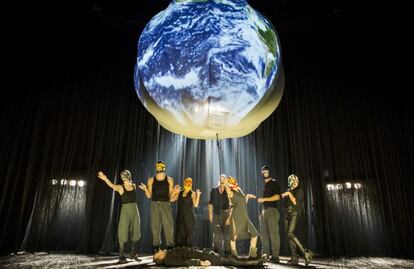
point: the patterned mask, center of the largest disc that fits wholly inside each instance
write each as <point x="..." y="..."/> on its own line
<point x="188" y="183"/>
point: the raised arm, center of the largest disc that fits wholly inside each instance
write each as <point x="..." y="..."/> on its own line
<point x="196" y="197"/>
<point x="147" y="189"/>
<point x="175" y="193"/>
<point x="171" y="185"/>
<point x="228" y="190"/>
<point x="115" y="187"/>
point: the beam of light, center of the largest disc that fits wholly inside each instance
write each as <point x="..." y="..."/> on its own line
<point x="81" y="183"/>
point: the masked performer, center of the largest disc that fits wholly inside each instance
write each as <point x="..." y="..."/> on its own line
<point x="240" y="224"/>
<point x="269" y="218"/>
<point x="159" y="189"/>
<point x="129" y="220"/>
<point x="219" y="217"/>
<point x="187" y="199"/>
<point x="294" y="200"/>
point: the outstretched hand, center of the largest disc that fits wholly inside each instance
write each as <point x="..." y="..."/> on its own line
<point x="198" y="192"/>
<point x="142" y="186"/>
<point x="177" y="188"/>
<point x="101" y="175"/>
<point x="250" y="196"/>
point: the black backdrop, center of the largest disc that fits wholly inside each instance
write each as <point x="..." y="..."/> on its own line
<point x="72" y="111"/>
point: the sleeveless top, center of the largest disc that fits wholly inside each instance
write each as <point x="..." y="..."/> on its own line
<point x="128" y="196"/>
<point x="160" y="190"/>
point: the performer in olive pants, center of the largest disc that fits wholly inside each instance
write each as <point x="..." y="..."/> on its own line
<point x="269" y="218"/>
<point x="129" y="224"/>
<point x="159" y="190"/>
<point x="129" y="220"/>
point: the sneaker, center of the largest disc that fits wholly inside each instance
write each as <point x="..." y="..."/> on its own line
<point x="308" y="256"/>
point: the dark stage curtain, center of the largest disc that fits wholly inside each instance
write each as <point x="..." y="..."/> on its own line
<point x="333" y="125"/>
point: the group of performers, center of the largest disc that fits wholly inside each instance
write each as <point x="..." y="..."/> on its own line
<point x="227" y="213"/>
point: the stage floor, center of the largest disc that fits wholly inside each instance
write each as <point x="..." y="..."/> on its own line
<point x="67" y="260"/>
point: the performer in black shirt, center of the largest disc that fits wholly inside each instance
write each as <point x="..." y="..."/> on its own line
<point x="219" y="217"/>
<point x="129" y="220"/>
<point x="269" y="217"/>
<point x="294" y="201"/>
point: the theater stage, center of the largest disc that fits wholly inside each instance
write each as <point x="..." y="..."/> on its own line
<point x="70" y="260"/>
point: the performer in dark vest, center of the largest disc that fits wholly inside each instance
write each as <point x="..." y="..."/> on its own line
<point x="129" y="220"/>
<point x="187" y="200"/>
<point x="159" y="189"/>
<point x="294" y="201"/>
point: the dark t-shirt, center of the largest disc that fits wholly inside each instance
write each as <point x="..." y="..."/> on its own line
<point x="271" y="188"/>
<point x="300" y="199"/>
<point x="220" y="201"/>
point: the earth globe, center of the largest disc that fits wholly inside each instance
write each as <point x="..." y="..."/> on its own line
<point x="209" y="68"/>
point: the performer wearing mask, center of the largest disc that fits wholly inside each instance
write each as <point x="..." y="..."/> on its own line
<point x="187" y="199"/>
<point x="240" y="224"/>
<point x="129" y="220"/>
<point x="219" y="217"/>
<point x="159" y="189"/>
<point x="294" y="201"/>
<point x="269" y="217"/>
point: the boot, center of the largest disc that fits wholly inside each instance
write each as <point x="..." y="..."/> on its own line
<point x="155" y="249"/>
<point x="122" y="258"/>
<point x="134" y="254"/>
<point x="274" y="259"/>
<point x="253" y="253"/>
<point x="308" y="256"/>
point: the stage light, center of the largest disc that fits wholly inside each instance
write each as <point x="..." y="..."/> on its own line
<point x="63" y="182"/>
<point x="339" y="186"/>
<point x="72" y="183"/>
<point x="54" y="182"/>
<point x="81" y="183"/>
<point x="330" y="187"/>
<point x="223" y="81"/>
<point x="348" y="185"/>
<point x="357" y="186"/>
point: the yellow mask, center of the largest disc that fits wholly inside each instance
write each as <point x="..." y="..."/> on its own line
<point x="233" y="183"/>
<point x="188" y="183"/>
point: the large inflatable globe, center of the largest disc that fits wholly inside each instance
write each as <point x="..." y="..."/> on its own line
<point x="208" y="68"/>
